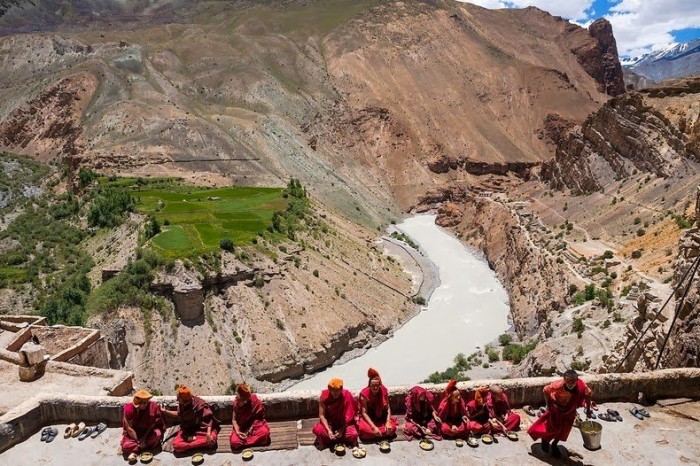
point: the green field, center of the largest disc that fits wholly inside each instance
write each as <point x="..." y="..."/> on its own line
<point x="199" y="218"/>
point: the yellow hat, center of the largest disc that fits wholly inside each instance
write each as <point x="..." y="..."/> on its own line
<point x="335" y="384"/>
<point x="141" y="396"/>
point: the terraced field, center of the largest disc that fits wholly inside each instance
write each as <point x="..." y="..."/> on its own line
<point x="194" y="220"/>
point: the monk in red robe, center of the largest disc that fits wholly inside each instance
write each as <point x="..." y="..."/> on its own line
<point x="249" y="426"/>
<point x="499" y="410"/>
<point x="336" y="413"/>
<point x="563" y="397"/>
<point x="198" y="426"/>
<point x="421" y="418"/>
<point x="453" y="413"/>
<point x="479" y="422"/>
<point x="375" y="421"/>
<point x="143" y="425"/>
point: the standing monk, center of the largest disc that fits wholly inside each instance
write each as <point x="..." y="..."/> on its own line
<point x="421" y="418"/>
<point x="143" y="425"/>
<point x="198" y="426"/>
<point x="453" y="413"/>
<point x="478" y="413"/>
<point x="563" y="397"/>
<point x="375" y="421"/>
<point x="499" y="409"/>
<point x="336" y="413"/>
<point x="249" y="426"/>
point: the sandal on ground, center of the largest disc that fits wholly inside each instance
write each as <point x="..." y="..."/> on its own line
<point x="530" y="411"/>
<point x="607" y="417"/>
<point x="68" y="433"/>
<point x="53" y="433"/>
<point x="85" y="433"/>
<point x="615" y="415"/>
<point x="635" y="412"/>
<point x="78" y="429"/>
<point x="643" y="412"/>
<point x="132" y="458"/>
<point x="45" y="433"/>
<point x="101" y="427"/>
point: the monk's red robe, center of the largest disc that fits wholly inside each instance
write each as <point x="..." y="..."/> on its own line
<point x="194" y="422"/>
<point x="250" y="417"/>
<point x="420" y="413"/>
<point x="451" y="416"/>
<point x="340" y="414"/>
<point x="377" y="410"/>
<point x="147" y="423"/>
<point x="556" y="422"/>
<point x="500" y="410"/>
<point x="478" y="418"/>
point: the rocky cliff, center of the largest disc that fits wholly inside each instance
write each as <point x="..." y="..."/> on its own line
<point x="639" y="131"/>
<point x="600" y="58"/>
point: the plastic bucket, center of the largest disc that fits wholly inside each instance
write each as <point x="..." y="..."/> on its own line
<point x="591" y="432"/>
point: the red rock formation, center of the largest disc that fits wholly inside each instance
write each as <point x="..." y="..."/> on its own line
<point x="599" y="58"/>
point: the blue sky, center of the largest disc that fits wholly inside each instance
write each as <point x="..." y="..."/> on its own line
<point x="639" y="26"/>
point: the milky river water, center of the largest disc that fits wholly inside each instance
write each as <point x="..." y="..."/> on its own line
<point x="468" y="309"/>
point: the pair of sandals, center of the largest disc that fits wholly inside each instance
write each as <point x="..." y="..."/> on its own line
<point x="639" y="413"/>
<point x="610" y="416"/>
<point x="82" y="432"/>
<point x="48" y="434"/>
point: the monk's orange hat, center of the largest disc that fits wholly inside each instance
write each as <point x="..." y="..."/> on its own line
<point x="335" y="384"/>
<point x="451" y="386"/>
<point x="184" y="393"/>
<point x="372" y="373"/>
<point x="480" y="395"/>
<point x="243" y="390"/>
<point x="141" y="396"/>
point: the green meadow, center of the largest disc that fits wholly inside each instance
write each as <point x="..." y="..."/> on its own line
<point x="193" y="220"/>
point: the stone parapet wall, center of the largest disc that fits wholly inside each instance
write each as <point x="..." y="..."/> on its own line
<point x="43" y="410"/>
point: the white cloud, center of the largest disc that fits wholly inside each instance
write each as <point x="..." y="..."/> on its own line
<point x="640" y="26"/>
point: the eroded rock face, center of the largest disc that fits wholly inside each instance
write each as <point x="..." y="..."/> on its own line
<point x="599" y="58"/>
<point x="630" y="132"/>
<point x="684" y="342"/>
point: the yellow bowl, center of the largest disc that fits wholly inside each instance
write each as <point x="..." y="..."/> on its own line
<point x="340" y="449"/>
<point x="487" y="439"/>
<point x="472" y="442"/>
<point x="197" y="459"/>
<point x="384" y="447"/>
<point x="426" y="445"/>
<point x="247" y="455"/>
<point x="146" y="457"/>
<point x="459" y="442"/>
<point x="512" y="435"/>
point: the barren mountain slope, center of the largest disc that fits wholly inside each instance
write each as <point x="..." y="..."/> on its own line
<point x="340" y="94"/>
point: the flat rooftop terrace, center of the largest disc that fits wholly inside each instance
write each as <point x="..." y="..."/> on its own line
<point x="668" y="437"/>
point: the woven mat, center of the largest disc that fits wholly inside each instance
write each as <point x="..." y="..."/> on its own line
<point x="306" y="437"/>
<point x="283" y="436"/>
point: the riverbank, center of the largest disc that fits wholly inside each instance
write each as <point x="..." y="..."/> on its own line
<point x="467" y="309"/>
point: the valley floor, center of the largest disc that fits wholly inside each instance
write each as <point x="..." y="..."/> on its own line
<point x="666" y="438"/>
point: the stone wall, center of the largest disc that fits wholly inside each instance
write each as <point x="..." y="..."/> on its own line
<point x="27" y="418"/>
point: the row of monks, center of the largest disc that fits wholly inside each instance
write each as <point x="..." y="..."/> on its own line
<point x="344" y="419"/>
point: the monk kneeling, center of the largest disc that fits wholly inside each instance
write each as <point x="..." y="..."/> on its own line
<point x="336" y="413"/>
<point x="478" y="414"/>
<point x="453" y="413"/>
<point x="499" y="410"/>
<point x="375" y="421"/>
<point x="143" y="425"/>
<point x="198" y="426"/>
<point x="249" y="426"/>
<point x="421" y="418"/>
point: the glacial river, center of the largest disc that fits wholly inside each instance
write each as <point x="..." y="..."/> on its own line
<point x="469" y="308"/>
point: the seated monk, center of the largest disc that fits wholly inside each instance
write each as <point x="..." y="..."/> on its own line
<point x="143" y="425"/>
<point x="249" y="426"/>
<point x="499" y="411"/>
<point x="336" y="413"/>
<point x="479" y="422"/>
<point x="198" y="426"/>
<point x="375" y="421"/>
<point x="453" y="413"/>
<point x="563" y="398"/>
<point x="421" y="418"/>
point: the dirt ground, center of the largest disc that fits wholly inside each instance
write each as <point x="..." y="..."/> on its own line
<point x="665" y="438"/>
